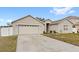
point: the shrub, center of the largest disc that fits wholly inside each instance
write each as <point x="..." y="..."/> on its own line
<point x="54" y="31"/>
<point x="44" y="32"/>
<point x="50" y="31"/>
<point x="73" y="32"/>
<point x="77" y="31"/>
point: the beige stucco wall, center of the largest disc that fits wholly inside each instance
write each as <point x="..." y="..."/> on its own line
<point x="60" y="27"/>
<point x="77" y="27"/>
<point x="54" y="27"/>
<point x="74" y="20"/>
<point x="27" y="21"/>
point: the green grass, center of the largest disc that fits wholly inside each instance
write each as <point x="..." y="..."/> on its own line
<point x="8" y="43"/>
<point x="71" y="38"/>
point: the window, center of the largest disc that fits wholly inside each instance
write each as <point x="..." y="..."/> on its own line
<point x="65" y="27"/>
<point x="73" y="26"/>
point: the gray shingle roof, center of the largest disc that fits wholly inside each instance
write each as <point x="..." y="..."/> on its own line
<point x="66" y="18"/>
<point x="26" y="17"/>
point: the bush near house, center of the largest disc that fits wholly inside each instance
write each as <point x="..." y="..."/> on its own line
<point x="72" y="38"/>
<point x="44" y="32"/>
<point x="54" y="31"/>
<point x="8" y="43"/>
<point x="50" y="31"/>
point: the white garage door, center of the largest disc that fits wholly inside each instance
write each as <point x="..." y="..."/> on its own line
<point x="29" y="29"/>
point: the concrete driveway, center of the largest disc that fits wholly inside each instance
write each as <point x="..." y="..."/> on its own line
<point x="40" y="43"/>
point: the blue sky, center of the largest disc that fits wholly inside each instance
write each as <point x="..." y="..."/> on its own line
<point x="8" y="14"/>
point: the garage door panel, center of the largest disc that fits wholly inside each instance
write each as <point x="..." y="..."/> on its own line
<point x="29" y="29"/>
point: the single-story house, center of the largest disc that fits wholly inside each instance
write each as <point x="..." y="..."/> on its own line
<point x="28" y="25"/>
<point x="31" y="25"/>
<point x="66" y="25"/>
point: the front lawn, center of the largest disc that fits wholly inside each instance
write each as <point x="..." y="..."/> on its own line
<point x="69" y="38"/>
<point x="8" y="43"/>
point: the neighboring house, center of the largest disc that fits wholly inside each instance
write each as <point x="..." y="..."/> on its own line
<point x="31" y="25"/>
<point x="66" y="25"/>
<point x="62" y="26"/>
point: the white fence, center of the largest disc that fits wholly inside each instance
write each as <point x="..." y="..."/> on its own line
<point x="6" y="31"/>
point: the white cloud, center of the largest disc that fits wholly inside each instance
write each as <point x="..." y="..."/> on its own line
<point x="9" y="20"/>
<point x="64" y="10"/>
<point x="1" y="20"/>
<point x="51" y="11"/>
<point x="72" y="11"/>
<point x="5" y="21"/>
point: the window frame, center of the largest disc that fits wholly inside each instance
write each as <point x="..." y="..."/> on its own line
<point x="65" y="27"/>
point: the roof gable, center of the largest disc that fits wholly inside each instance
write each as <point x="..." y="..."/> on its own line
<point x="59" y="21"/>
<point x="72" y="19"/>
<point x="26" y="17"/>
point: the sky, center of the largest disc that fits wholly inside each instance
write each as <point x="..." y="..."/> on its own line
<point x="9" y="14"/>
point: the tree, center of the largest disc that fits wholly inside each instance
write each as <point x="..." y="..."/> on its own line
<point x="8" y="23"/>
<point x="41" y="19"/>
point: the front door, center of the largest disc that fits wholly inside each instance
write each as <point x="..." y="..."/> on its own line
<point x="47" y="27"/>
